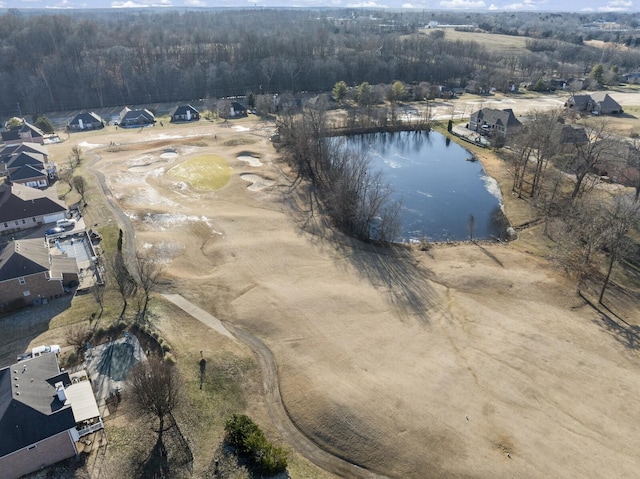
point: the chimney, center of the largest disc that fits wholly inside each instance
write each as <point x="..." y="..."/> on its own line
<point x="60" y="391"/>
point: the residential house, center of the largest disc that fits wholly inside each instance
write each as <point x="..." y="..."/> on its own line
<point x="136" y="118"/>
<point x="596" y="103"/>
<point x="492" y="122"/>
<point x="23" y="133"/>
<point x="43" y="414"/>
<point x="24" y="207"/>
<point x="30" y="169"/>
<point x="604" y="104"/>
<point x="185" y="113"/>
<point x="236" y="110"/>
<point x="29" y="273"/>
<point x="85" y="121"/>
<point x="10" y="151"/>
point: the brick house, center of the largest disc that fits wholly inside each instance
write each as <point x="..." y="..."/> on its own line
<point x="29" y="273"/>
<point x="10" y="152"/>
<point x="23" y="133"/>
<point x="23" y="207"/>
<point x="492" y="122"/>
<point x="43" y="413"/>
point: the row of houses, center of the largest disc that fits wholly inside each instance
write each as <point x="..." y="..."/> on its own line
<point x="131" y="118"/>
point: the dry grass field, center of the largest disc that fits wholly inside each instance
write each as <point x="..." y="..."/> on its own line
<point x="503" y="44"/>
<point x="464" y="361"/>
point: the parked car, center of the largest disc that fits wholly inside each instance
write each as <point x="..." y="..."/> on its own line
<point x="65" y="223"/>
<point x="54" y="231"/>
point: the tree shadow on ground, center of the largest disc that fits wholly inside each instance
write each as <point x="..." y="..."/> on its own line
<point x="618" y="303"/>
<point x="170" y="457"/>
<point x="393" y="267"/>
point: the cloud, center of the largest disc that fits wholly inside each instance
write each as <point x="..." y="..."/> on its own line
<point x="617" y="6"/>
<point x="196" y="3"/>
<point x="459" y="4"/>
<point x="141" y="4"/>
<point x="368" y="4"/>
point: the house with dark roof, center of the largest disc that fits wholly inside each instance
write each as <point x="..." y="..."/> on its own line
<point x="85" y="121"/>
<point x="492" y="122"/>
<point x="43" y="414"/>
<point x="237" y="109"/>
<point x="185" y="113"/>
<point x="23" y="133"/>
<point x="24" y="207"/>
<point x="10" y="151"/>
<point x="29" y="273"/>
<point x="599" y="103"/>
<point x="136" y="118"/>
<point x="34" y="176"/>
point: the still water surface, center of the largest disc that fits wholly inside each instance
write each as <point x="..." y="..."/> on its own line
<point x="439" y="189"/>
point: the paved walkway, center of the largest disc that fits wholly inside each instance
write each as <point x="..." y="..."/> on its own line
<point x="200" y="314"/>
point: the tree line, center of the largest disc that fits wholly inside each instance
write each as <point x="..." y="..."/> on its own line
<point x="95" y="59"/>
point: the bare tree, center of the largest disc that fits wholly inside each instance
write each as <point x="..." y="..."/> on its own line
<point x="76" y="156"/>
<point x="125" y="283"/>
<point x="593" y="154"/>
<point x="80" y="186"/>
<point x="98" y="290"/>
<point x="155" y="388"/>
<point x="66" y="175"/>
<point x="78" y="335"/>
<point x="147" y="270"/>
<point x="630" y="171"/>
<point x="622" y="215"/>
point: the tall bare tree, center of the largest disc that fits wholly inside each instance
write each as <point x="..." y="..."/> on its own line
<point x="155" y="388"/>
<point x="147" y="270"/>
<point x="623" y="214"/>
<point x="80" y="185"/>
<point x="593" y="154"/>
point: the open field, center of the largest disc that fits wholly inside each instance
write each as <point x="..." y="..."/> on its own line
<point x="466" y="361"/>
<point x="503" y="44"/>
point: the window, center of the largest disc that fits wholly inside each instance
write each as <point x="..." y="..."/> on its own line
<point x="6" y="225"/>
<point x="34" y="220"/>
<point x="21" y="280"/>
<point x="32" y="446"/>
<point x="24" y="222"/>
<point x="17" y="223"/>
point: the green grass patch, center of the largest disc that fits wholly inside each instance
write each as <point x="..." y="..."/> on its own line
<point x="210" y="172"/>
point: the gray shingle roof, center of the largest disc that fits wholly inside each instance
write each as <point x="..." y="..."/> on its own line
<point x="19" y="201"/>
<point x="30" y="410"/>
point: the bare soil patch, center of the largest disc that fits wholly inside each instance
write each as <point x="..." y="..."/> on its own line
<point x="411" y="364"/>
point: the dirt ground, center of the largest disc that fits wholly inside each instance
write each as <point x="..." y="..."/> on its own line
<point x="463" y="361"/>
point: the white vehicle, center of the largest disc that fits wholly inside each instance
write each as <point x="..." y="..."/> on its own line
<point x="39" y="351"/>
<point x="65" y="223"/>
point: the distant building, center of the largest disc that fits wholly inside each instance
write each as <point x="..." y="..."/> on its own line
<point x="599" y="103"/>
<point x="23" y="133"/>
<point x="136" y="118"/>
<point x="492" y="122"/>
<point x="86" y="121"/>
<point x="185" y="113"/>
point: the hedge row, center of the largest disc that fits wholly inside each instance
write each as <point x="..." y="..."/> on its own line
<point x="250" y="441"/>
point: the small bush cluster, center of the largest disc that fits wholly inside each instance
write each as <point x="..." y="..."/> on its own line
<point x="250" y="441"/>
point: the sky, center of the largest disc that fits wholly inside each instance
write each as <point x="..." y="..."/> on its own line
<point x="476" y="5"/>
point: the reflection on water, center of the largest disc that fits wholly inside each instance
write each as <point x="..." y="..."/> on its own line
<point x="438" y="188"/>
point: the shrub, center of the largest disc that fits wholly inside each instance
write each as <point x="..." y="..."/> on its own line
<point x="249" y="440"/>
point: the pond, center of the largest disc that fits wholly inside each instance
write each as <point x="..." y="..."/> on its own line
<point x="437" y="184"/>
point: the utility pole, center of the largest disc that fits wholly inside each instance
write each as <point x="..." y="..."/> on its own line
<point x="19" y="111"/>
